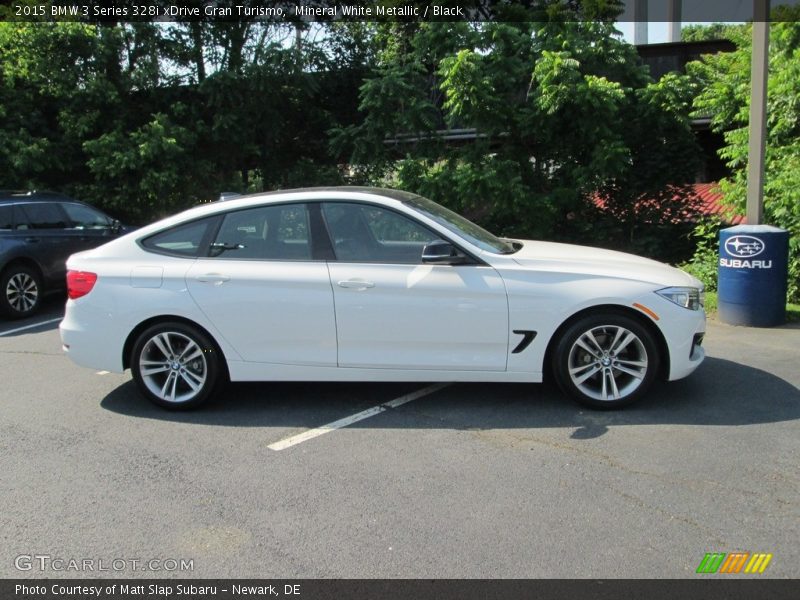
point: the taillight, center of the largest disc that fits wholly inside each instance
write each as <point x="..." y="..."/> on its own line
<point x="80" y="283"/>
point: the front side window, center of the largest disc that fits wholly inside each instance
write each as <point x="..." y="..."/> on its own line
<point x="85" y="217"/>
<point x="276" y="232"/>
<point x="367" y="233"/>
<point x="181" y="240"/>
<point x="462" y="227"/>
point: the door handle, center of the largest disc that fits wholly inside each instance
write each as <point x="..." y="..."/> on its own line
<point x="357" y="284"/>
<point x="31" y="240"/>
<point x="215" y="278"/>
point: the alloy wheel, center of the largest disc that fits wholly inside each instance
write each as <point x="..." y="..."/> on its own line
<point x="22" y="292"/>
<point x="607" y="363"/>
<point x="173" y="367"/>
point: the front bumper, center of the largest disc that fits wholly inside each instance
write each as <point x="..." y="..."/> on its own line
<point x="684" y="338"/>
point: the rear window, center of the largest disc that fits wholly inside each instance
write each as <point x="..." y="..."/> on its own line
<point x="182" y="240"/>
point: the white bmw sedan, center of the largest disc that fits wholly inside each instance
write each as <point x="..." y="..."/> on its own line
<point x="365" y="284"/>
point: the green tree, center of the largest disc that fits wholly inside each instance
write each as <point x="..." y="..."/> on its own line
<point x="725" y="83"/>
<point x="563" y="112"/>
<point x="702" y="33"/>
<point x="146" y="119"/>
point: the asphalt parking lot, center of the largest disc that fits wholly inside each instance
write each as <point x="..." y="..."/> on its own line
<point x="469" y="480"/>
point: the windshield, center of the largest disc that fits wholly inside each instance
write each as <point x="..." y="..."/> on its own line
<point x="462" y="227"/>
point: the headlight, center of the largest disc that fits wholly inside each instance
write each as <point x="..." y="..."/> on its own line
<point x="687" y="297"/>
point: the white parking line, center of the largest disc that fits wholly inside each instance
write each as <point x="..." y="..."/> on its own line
<point x="10" y="331"/>
<point x="364" y="414"/>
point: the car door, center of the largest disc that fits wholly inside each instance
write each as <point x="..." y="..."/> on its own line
<point x="394" y="312"/>
<point x="88" y="227"/>
<point x="262" y="289"/>
<point x="41" y="227"/>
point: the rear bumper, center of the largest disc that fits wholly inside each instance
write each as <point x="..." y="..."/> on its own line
<point x="90" y="346"/>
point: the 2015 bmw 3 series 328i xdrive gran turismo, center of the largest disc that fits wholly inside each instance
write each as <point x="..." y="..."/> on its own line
<point x="365" y="284"/>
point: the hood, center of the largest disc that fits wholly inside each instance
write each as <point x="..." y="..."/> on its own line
<point x="568" y="258"/>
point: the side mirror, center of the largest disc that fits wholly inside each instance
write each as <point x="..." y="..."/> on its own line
<point x="440" y="252"/>
<point x="116" y="226"/>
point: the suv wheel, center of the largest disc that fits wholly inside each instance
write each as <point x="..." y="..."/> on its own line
<point x="21" y="292"/>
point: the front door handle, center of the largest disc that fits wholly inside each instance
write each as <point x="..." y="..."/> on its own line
<point x="356" y="284"/>
<point x="32" y="240"/>
<point x="215" y="278"/>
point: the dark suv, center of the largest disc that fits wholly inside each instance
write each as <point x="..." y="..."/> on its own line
<point x="38" y="232"/>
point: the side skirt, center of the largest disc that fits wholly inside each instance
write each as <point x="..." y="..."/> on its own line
<point x="248" y="371"/>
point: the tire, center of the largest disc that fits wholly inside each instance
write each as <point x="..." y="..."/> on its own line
<point x="20" y="292"/>
<point x="606" y="360"/>
<point x="176" y="366"/>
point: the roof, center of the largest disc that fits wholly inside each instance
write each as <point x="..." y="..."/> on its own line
<point x="26" y="196"/>
<point x="712" y="203"/>
<point x="399" y="195"/>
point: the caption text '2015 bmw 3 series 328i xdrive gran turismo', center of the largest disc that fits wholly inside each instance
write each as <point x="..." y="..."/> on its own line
<point x="365" y="284"/>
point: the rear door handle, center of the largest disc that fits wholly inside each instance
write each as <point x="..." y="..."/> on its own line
<point x="215" y="278"/>
<point x="32" y="240"/>
<point x="357" y="284"/>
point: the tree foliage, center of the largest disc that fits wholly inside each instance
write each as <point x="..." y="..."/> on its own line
<point x="562" y="111"/>
<point x="550" y="115"/>
<point x="725" y="83"/>
<point x="144" y="119"/>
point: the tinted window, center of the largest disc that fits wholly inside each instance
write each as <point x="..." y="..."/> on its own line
<point x="85" y="217"/>
<point x="278" y="232"/>
<point x="182" y="240"/>
<point x="6" y="216"/>
<point x="44" y="215"/>
<point x="366" y="233"/>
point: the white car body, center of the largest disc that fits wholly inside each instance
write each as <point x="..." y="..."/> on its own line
<point x="333" y="320"/>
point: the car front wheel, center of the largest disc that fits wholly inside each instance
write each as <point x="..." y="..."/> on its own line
<point x="606" y="360"/>
<point x="22" y="292"/>
<point x="175" y="365"/>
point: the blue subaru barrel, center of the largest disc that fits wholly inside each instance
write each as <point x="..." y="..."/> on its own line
<point x="753" y="271"/>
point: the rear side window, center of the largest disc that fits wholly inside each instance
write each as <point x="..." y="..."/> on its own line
<point x="6" y="216"/>
<point x="181" y="240"/>
<point x="277" y="232"/>
<point x="44" y="215"/>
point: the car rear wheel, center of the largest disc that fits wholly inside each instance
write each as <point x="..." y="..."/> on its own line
<point x="21" y="292"/>
<point x="606" y="360"/>
<point x="175" y="365"/>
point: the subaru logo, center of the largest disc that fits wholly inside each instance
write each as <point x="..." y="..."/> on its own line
<point x="744" y="246"/>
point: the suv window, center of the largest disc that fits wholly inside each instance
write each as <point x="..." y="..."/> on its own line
<point x="277" y="232"/>
<point x="181" y="240"/>
<point x="6" y="216"/>
<point x="43" y="215"/>
<point x="366" y="233"/>
<point x="84" y="217"/>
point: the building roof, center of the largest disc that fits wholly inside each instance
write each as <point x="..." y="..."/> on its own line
<point x="696" y="199"/>
<point x="711" y="203"/>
